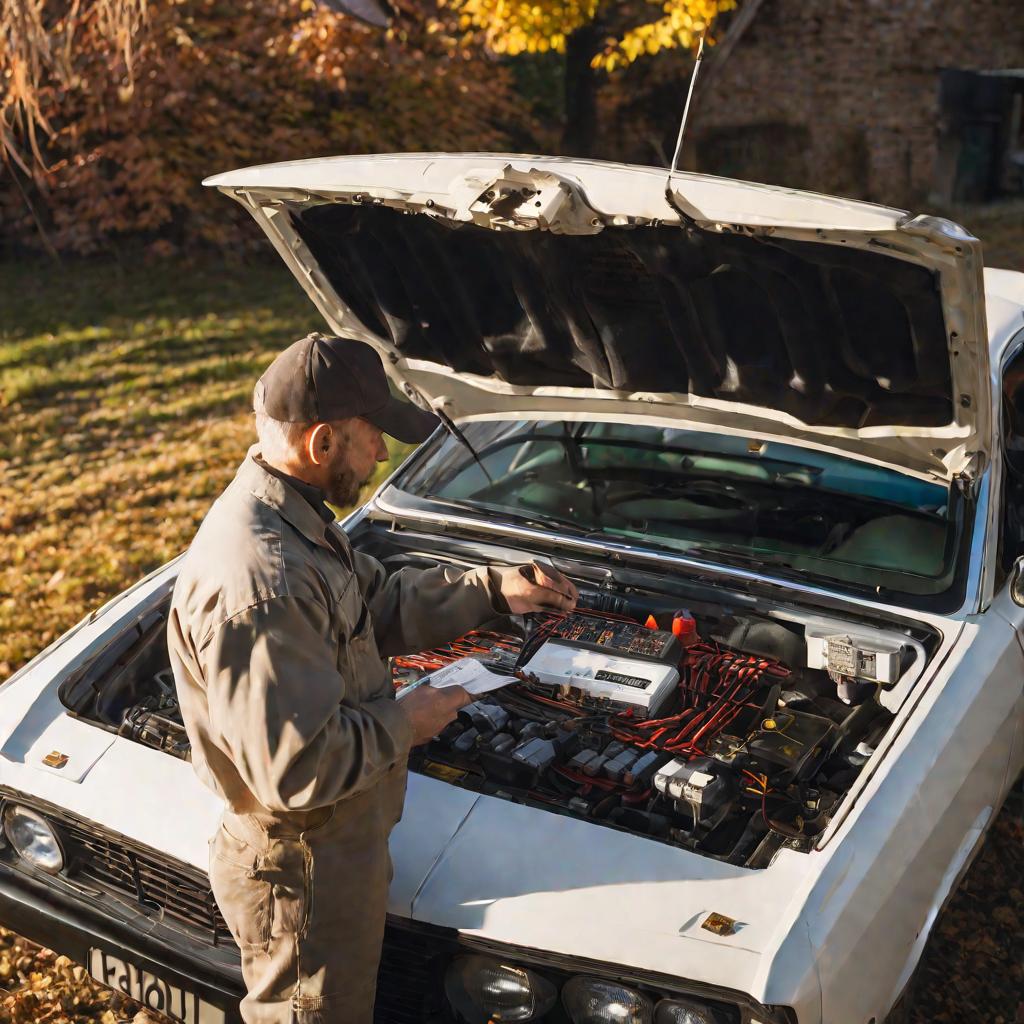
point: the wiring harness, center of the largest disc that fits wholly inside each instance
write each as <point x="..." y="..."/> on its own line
<point x="716" y="687"/>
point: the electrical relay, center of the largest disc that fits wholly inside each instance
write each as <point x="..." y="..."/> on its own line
<point x="618" y="637"/>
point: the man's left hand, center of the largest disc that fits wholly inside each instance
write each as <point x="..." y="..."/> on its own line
<point x="536" y="588"/>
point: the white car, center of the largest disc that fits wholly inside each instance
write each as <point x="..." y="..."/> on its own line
<point x="773" y="437"/>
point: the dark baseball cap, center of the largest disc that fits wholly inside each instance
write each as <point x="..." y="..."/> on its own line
<point x="319" y="378"/>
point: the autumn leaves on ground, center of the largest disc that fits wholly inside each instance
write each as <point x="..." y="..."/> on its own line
<point x="123" y="413"/>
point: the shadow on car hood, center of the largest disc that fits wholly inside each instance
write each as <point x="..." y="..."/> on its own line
<point x="500" y="286"/>
<point x="514" y="874"/>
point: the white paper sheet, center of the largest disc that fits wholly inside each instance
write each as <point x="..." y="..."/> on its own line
<point x="468" y="673"/>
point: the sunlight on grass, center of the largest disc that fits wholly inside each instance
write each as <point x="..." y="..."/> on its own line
<point x="124" y="411"/>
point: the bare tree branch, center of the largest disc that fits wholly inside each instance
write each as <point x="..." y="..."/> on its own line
<point x="37" y="50"/>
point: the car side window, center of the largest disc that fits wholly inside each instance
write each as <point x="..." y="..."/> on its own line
<point x="1011" y="539"/>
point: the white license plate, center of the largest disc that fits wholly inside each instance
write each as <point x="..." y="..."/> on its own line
<point x="152" y="991"/>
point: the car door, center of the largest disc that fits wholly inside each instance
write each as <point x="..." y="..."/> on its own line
<point x="1009" y="554"/>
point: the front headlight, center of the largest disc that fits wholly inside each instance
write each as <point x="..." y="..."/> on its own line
<point x="593" y="1001"/>
<point x="33" y="837"/>
<point x="483" y="990"/>
<point x="682" y="1011"/>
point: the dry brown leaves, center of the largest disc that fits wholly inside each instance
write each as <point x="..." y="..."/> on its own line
<point x="973" y="967"/>
<point x="40" y="987"/>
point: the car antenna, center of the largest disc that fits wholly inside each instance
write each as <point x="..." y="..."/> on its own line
<point x="682" y="124"/>
<point x="449" y="425"/>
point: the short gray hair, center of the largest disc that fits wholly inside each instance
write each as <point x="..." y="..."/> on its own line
<point x="280" y="441"/>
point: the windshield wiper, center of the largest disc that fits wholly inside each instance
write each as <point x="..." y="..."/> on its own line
<point x="541" y="521"/>
<point x="781" y="566"/>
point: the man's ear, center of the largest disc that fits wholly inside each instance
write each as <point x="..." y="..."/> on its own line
<point x="318" y="443"/>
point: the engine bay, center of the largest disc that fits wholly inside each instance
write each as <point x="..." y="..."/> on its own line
<point x="726" y="727"/>
<point x="713" y="734"/>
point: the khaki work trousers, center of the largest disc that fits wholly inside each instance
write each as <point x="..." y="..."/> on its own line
<point x="307" y="905"/>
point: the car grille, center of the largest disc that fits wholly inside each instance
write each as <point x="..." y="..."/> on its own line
<point x="410" y="979"/>
<point x="140" y="876"/>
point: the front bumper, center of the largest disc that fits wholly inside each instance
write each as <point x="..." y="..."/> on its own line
<point x="70" y="925"/>
<point x="48" y="911"/>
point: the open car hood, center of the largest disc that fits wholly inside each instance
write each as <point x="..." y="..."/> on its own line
<point x="501" y="287"/>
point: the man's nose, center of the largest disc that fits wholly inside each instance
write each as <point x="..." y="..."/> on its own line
<point x="382" y="450"/>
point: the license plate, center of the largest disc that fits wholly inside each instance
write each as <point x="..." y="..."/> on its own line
<point x="151" y="991"/>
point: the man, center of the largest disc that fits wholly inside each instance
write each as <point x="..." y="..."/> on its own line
<point x="279" y="634"/>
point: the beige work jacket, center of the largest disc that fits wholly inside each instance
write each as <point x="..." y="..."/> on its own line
<point x="279" y="640"/>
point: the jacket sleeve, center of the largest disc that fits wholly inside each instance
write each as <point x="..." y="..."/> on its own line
<point x="275" y="693"/>
<point x="416" y="609"/>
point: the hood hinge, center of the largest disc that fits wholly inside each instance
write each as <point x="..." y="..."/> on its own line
<point x="969" y="478"/>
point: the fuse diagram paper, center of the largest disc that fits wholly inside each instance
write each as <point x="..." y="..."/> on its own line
<point x="471" y="675"/>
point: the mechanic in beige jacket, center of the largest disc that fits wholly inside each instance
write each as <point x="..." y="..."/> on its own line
<point x="279" y="634"/>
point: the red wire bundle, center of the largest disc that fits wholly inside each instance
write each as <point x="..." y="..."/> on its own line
<point x="716" y="686"/>
<point x="476" y="642"/>
<point x="481" y="641"/>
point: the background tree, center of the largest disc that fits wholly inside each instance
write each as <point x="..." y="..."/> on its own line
<point x="109" y="135"/>
<point x="112" y="111"/>
<point x="38" y="47"/>
<point x="593" y="35"/>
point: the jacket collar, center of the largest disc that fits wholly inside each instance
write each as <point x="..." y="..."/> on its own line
<point x="283" y="498"/>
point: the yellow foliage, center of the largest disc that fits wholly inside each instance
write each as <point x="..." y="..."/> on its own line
<point x="521" y="27"/>
<point x="513" y="27"/>
<point x="681" y="25"/>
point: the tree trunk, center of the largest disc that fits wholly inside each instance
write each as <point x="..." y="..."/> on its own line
<point x="581" y="83"/>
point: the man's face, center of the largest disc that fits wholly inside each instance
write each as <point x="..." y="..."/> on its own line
<point x="356" y="446"/>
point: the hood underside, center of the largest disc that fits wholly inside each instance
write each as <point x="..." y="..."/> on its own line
<point x="503" y="287"/>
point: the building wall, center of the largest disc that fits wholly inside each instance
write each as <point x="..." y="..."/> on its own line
<point x="842" y="96"/>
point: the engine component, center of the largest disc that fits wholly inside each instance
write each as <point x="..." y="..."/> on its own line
<point x="616" y="767"/>
<point x="157" y="724"/>
<point x="717" y="691"/>
<point x="583" y="759"/>
<point x="466" y="741"/>
<point x="684" y="626"/>
<point x="537" y="753"/>
<point x="601" y="601"/>
<point x="643" y="768"/>
<point x="647" y="823"/>
<point x="619" y="637"/>
<point x="527" y="730"/>
<point x="503" y="742"/>
<point x="703" y="788"/>
<point x="791" y="741"/>
<point x="596" y="679"/>
<point x="486" y="718"/>
<point x="726" y="751"/>
<point x="846" y="655"/>
<point x="451" y="732"/>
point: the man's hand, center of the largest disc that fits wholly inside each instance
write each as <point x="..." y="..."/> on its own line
<point x="430" y="710"/>
<point x="536" y="588"/>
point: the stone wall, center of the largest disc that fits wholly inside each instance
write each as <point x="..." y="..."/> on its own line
<point x="843" y="96"/>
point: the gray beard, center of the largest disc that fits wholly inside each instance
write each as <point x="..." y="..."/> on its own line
<point x="344" y="488"/>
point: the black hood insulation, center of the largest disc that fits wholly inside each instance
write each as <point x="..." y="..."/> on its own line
<point x="833" y="336"/>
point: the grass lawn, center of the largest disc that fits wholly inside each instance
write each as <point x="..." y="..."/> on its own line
<point x="124" y="410"/>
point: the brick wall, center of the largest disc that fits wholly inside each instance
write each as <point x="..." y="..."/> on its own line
<point x="842" y="96"/>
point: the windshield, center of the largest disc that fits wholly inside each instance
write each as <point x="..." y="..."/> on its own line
<point x="722" y="499"/>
